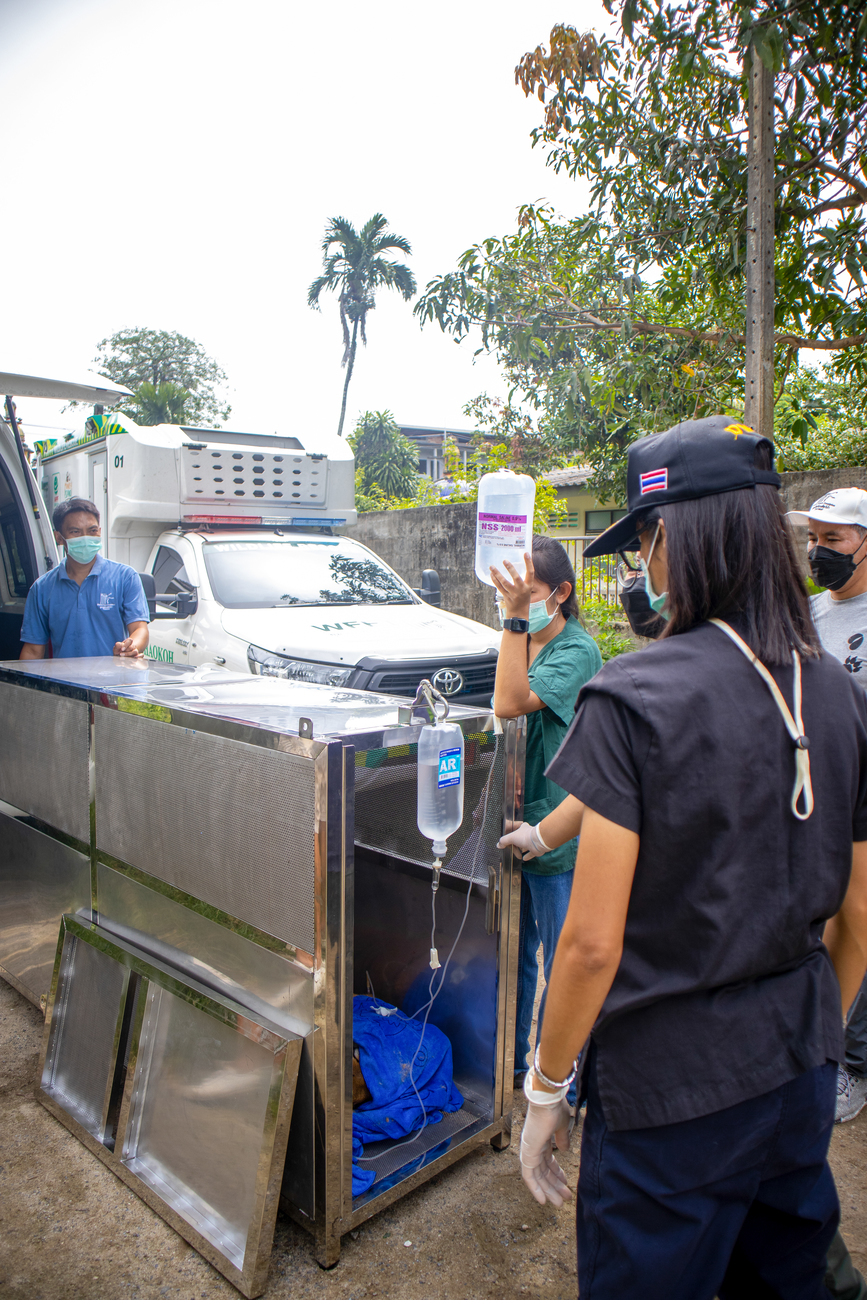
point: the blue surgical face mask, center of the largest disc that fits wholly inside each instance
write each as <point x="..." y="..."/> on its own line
<point x="539" y="616"/>
<point x="657" y="603"/>
<point x="83" y="549"/>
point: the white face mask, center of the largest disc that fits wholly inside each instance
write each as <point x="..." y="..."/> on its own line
<point x="657" y="603"/>
<point x="539" y="616"/>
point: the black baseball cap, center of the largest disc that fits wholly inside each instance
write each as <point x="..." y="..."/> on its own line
<point x="697" y="458"/>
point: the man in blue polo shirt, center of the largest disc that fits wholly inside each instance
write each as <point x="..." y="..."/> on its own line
<point x="88" y="605"/>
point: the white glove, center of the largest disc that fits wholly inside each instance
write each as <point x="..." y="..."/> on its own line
<point x="527" y="840"/>
<point x="539" y="1170"/>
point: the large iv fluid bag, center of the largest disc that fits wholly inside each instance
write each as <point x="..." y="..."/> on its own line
<point x="440" y="782"/>
<point x="504" y="523"/>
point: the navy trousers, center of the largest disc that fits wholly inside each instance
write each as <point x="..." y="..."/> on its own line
<point x="739" y="1204"/>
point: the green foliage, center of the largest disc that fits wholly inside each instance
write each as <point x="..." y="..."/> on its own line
<point x="489" y="456"/>
<point x="655" y="119"/>
<point x="353" y="267"/>
<point x="170" y="374"/>
<point x="605" y="623"/>
<point x="631" y="317"/>
<point x="383" y="456"/>
<point x="376" y="499"/>
<point x="820" y="423"/>
<point x="164" y="403"/>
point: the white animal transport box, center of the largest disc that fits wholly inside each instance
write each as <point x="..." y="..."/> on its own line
<point x="146" y="479"/>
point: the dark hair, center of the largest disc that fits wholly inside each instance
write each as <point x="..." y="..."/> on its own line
<point x="69" y="507"/>
<point x="553" y="566"/>
<point x="733" y="554"/>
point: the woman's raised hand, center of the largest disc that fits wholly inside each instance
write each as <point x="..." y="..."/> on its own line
<point x="515" y="593"/>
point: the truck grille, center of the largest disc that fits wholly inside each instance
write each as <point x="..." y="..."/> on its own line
<point x="403" y="679"/>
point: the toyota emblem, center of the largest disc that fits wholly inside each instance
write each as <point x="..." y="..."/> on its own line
<point x="448" y="680"/>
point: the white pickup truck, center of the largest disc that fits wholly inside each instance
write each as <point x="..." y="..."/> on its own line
<point x="234" y="535"/>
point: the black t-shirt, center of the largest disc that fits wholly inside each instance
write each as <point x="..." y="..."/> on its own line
<point x="724" y="990"/>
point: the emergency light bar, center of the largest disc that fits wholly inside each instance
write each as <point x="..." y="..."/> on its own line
<point x="221" y="519"/>
<point x="277" y="521"/>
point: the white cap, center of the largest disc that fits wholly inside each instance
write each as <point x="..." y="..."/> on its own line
<point x="842" y="506"/>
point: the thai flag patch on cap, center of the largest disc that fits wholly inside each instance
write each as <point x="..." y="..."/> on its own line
<point x="655" y="480"/>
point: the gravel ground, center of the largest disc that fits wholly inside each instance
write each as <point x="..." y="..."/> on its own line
<point x="70" y="1229"/>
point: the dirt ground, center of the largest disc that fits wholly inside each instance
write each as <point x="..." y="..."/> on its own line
<point x="69" y="1229"/>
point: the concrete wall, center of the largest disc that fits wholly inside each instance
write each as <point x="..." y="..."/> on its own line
<point x="444" y="538"/>
<point x="802" y="489"/>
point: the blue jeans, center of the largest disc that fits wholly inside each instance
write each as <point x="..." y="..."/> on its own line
<point x="739" y="1204"/>
<point x="544" y="903"/>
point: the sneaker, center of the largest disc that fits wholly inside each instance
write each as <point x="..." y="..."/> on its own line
<point x="851" y="1095"/>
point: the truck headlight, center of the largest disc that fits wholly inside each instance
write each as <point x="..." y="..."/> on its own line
<point x="264" y="664"/>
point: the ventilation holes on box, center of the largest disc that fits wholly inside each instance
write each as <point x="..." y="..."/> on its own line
<point x="199" y="491"/>
<point x="296" y="494"/>
<point x="239" y="492"/>
<point x="197" y="478"/>
<point x="278" y="482"/>
<point x="258" y="456"/>
<point x="237" y="480"/>
<point x="218" y="480"/>
<point x="276" y="458"/>
<point x="216" y="454"/>
<point x="298" y="460"/>
<point x="258" y="493"/>
<point x="237" y="455"/>
<point x="257" y="482"/>
<point x="277" y="494"/>
<point x="220" y="492"/>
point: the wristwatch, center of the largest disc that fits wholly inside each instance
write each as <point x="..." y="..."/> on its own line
<point x="516" y="624"/>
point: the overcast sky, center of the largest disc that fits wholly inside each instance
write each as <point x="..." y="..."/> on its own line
<point x="173" y="163"/>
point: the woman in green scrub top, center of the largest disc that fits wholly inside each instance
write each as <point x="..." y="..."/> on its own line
<point x="545" y="658"/>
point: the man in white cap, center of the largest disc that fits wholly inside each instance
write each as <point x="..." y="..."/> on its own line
<point x="837" y="550"/>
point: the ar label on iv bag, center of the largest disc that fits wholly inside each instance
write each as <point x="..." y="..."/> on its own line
<point x="449" y="772"/>
<point x="501" y="530"/>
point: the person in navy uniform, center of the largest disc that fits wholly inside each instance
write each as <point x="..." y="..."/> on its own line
<point x="718" y="921"/>
<point x="87" y="605"/>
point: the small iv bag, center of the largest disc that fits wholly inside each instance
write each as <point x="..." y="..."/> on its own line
<point x="504" y="522"/>
<point x="440" y="782"/>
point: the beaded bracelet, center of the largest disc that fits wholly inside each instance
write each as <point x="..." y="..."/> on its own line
<point x="549" y="1083"/>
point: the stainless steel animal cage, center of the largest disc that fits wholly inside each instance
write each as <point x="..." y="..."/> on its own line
<point x="228" y="860"/>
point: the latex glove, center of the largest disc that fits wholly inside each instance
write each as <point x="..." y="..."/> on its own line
<point x="527" y="840"/>
<point x="539" y="1169"/>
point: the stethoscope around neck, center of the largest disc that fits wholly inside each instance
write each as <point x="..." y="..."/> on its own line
<point x="794" y="725"/>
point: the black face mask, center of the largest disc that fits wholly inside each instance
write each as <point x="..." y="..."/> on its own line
<point x="643" y="620"/>
<point x="831" y="569"/>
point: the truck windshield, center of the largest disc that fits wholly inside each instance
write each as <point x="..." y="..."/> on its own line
<point x="257" y="575"/>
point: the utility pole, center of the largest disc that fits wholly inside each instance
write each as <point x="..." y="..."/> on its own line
<point x="759" y="395"/>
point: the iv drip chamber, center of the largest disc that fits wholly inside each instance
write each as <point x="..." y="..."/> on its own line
<point x="440" y="782"/>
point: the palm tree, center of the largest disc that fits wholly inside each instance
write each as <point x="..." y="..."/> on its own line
<point x="353" y="266"/>
<point x="163" y="403"/>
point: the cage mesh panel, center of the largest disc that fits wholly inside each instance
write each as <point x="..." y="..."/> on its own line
<point x="85" y="1023"/>
<point x="386" y="1158"/>
<point x="386" y="805"/>
<point x="43" y="758"/>
<point x="275" y="477"/>
<point x="228" y="823"/>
